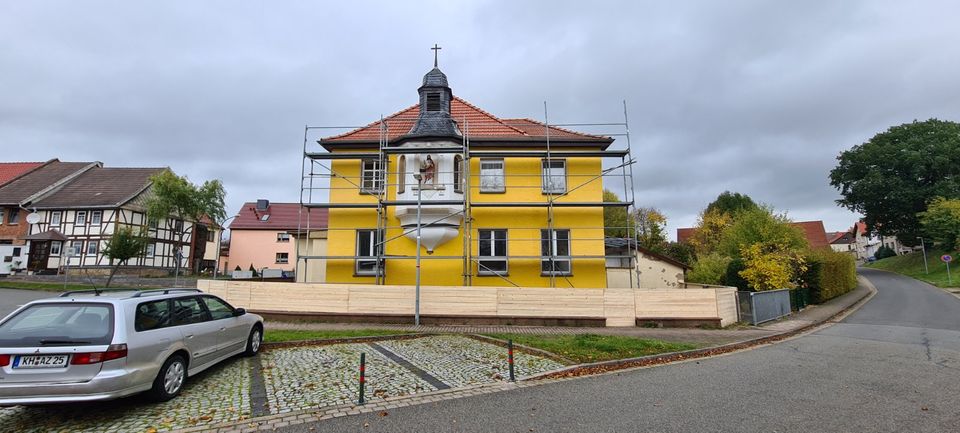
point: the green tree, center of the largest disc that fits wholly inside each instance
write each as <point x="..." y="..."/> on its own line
<point x="681" y="252"/>
<point x="173" y="196"/>
<point x="616" y="223"/>
<point x="760" y="226"/>
<point x="891" y="177"/>
<point x="731" y="203"/>
<point x="709" y="269"/>
<point x="124" y="245"/>
<point x="651" y="228"/>
<point x="941" y="222"/>
<point x="710" y="227"/>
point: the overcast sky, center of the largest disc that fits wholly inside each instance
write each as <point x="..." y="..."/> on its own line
<point x="757" y="97"/>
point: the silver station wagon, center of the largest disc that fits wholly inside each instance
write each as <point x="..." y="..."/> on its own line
<point x="100" y="345"/>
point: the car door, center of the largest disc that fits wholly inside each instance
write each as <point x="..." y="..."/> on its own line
<point x="232" y="329"/>
<point x="199" y="333"/>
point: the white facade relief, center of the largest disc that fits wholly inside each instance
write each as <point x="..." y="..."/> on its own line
<point x="441" y="179"/>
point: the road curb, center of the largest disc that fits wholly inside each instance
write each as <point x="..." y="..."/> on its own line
<point x="273" y="422"/>
<point x="595" y="368"/>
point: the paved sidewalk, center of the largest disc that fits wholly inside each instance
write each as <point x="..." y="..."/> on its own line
<point x="700" y="337"/>
<point x="810" y="316"/>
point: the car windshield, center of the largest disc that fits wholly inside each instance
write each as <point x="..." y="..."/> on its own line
<point x="66" y="324"/>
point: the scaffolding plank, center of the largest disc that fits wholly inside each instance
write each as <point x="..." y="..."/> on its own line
<point x="544" y="154"/>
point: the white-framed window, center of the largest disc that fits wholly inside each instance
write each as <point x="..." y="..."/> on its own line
<point x="152" y="225"/>
<point x="371" y="176"/>
<point x="178" y="226"/>
<point x="55" y="218"/>
<point x="368" y="246"/>
<point x="14" y="216"/>
<point x="555" y="252"/>
<point x="151" y="250"/>
<point x="401" y="174"/>
<point x="55" y="247"/>
<point x="76" y="247"/>
<point x="619" y="260"/>
<point x="92" y="247"/>
<point x="81" y="218"/>
<point x="554" y="176"/>
<point x="1" y="216"/>
<point x="283" y="258"/>
<point x="96" y="216"/>
<point x="457" y="173"/>
<point x="491" y="175"/>
<point x="283" y="237"/>
<point x="493" y="252"/>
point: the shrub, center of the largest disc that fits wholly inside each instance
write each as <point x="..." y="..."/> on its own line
<point x="733" y="278"/>
<point x="884" y="252"/>
<point x="709" y="269"/>
<point x="829" y="274"/>
<point x="238" y="268"/>
<point x="771" y="266"/>
<point x="254" y="270"/>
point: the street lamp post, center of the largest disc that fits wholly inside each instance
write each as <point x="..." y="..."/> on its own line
<point x="216" y="265"/>
<point x="924" y="250"/>
<point x="416" y="311"/>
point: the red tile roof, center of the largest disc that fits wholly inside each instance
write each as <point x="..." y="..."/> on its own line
<point x="479" y="124"/>
<point x="282" y="216"/>
<point x="813" y="231"/>
<point x="11" y="170"/>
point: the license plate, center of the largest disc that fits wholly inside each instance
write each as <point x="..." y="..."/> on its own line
<point x="41" y="361"/>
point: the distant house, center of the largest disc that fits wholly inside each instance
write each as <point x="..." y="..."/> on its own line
<point x="843" y="242"/>
<point x="867" y="244"/>
<point x="20" y="187"/>
<point x="268" y="235"/>
<point x="647" y="270"/>
<point x="75" y="207"/>
<point x="813" y="231"/>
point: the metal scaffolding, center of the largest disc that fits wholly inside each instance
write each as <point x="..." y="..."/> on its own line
<point x="317" y="176"/>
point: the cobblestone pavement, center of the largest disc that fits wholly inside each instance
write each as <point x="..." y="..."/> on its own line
<point x="218" y="395"/>
<point x="305" y="377"/>
<point x="461" y="361"/>
<point x="295" y="379"/>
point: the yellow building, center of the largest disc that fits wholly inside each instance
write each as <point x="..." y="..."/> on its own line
<point x="502" y="202"/>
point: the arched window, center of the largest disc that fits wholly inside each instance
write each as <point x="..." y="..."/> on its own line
<point x="401" y="174"/>
<point x="458" y="173"/>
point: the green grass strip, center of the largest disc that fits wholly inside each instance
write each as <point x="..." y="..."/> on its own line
<point x="583" y="348"/>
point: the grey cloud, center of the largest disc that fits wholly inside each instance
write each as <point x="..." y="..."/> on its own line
<point x="750" y="96"/>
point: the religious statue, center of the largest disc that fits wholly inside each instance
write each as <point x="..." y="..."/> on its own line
<point x="429" y="170"/>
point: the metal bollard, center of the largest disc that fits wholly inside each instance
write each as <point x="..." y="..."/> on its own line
<point x="363" y="367"/>
<point x="510" y="359"/>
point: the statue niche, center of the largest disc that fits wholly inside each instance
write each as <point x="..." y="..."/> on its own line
<point x="428" y="169"/>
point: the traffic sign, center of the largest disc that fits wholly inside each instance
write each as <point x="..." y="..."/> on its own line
<point x="946" y="258"/>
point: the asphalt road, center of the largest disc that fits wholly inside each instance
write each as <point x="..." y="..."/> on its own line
<point x="892" y="366"/>
<point x="10" y="299"/>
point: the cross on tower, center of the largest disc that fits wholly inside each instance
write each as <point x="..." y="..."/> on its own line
<point x="436" y="50"/>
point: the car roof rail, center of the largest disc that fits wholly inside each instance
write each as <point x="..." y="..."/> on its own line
<point x="96" y="292"/>
<point x="163" y="292"/>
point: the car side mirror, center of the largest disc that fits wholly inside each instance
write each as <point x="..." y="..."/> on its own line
<point x="239" y="312"/>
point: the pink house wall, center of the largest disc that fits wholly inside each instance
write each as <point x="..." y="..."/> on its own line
<point x="260" y="248"/>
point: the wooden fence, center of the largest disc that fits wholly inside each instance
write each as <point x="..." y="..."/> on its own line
<point x="612" y="307"/>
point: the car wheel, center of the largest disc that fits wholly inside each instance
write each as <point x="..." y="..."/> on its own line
<point x="170" y="380"/>
<point x="254" y="340"/>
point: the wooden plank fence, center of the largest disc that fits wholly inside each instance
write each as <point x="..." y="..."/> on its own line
<point x="617" y="306"/>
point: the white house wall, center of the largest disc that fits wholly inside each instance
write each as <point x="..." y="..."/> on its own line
<point x="162" y="237"/>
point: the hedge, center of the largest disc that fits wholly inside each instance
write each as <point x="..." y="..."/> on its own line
<point x="829" y="274"/>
